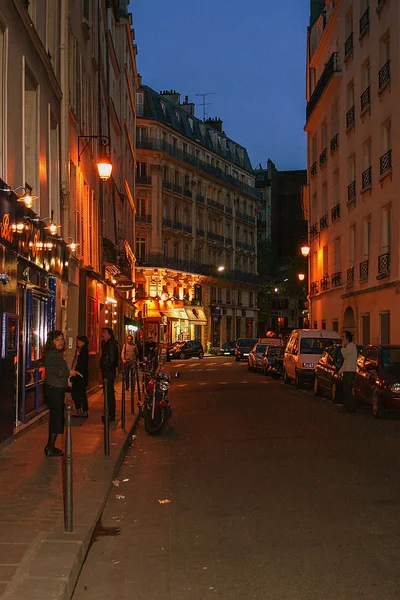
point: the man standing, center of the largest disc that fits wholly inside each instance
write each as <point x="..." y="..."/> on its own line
<point x="129" y="356"/>
<point x="348" y="371"/>
<point x="150" y="347"/>
<point x="108" y="366"/>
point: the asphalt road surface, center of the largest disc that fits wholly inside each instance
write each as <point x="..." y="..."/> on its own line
<point x="271" y="494"/>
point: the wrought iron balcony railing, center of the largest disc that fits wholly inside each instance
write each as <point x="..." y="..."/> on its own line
<point x="350" y="117"/>
<point x="366" y="178"/>
<point x="228" y="241"/>
<point x="177" y="225"/>
<point x="167" y="222"/>
<point x="364" y="270"/>
<point x="334" y="143"/>
<point x="384" y="264"/>
<point x="313" y="170"/>
<point x="351" y="192"/>
<point x="314" y="288"/>
<point x="229" y="210"/>
<point x="323" y="157"/>
<point x="332" y="67"/>
<point x="314" y="230"/>
<point x="215" y="204"/>
<point x="167" y="184"/>
<point x="366" y="98"/>
<point x="143" y="179"/>
<point x="335" y="213"/>
<point x="384" y="75"/>
<point x="187" y="193"/>
<point x="199" y="232"/>
<point x="323" y="222"/>
<point x="350" y="276"/>
<point x="200" y="198"/>
<point x="364" y="21"/>
<point x="177" y="188"/>
<point x="215" y="237"/>
<point x="336" y="279"/>
<point x="348" y="45"/>
<point x="386" y="162"/>
<point x="143" y="218"/>
<point x="325" y="283"/>
<point x="187" y="228"/>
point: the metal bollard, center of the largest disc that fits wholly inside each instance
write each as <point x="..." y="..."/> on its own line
<point x="123" y="399"/>
<point x="106" y="420"/>
<point x="137" y="383"/>
<point x="133" y="384"/>
<point x="68" y="497"/>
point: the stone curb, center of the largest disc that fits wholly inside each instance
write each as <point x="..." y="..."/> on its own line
<point x="51" y="570"/>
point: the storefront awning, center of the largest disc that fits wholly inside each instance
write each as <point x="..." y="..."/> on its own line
<point x="196" y="315"/>
<point x="175" y="314"/>
<point x="153" y="314"/>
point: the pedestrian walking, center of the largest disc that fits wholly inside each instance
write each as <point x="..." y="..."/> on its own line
<point x="348" y="371"/>
<point x="80" y="381"/>
<point x="108" y="366"/>
<point x="55" y="385"/>
<point x="129" y="355"/>
<point x="150" y="352"/>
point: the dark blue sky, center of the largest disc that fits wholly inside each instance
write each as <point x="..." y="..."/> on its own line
<point x="251" y="54"/>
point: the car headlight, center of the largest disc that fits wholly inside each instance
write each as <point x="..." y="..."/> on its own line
<point x="306" y="365"/>
<point x="396" y="388"/>
<point x="163" y="386"/>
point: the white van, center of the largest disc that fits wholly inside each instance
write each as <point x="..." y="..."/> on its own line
<point x="303" y="351"/>
<point x="271" y="341"/>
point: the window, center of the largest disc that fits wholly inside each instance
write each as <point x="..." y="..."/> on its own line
<point x="38" y="329"/>
<point x="384" y="49"/>
<point x="335" y="325"/>
<point x="325" y="264"/>
<point x="386" y="230"/>
<point x="314" y="208"/>
<point x="140" y="248"/>
<point x="54" y="169"/>
<point x="366" y="237"/>
<point x="349" y="22"/>
<point x="365" y="75"/>
<point x="385" y="327"/>
<point x="3" y="91"/>
<point x="324" y="135"/>
<point x="352" y="244"/>
<point x="336" y="255"/>
<point x="139" y="103"/>
<point x="351" y="168"/>
<point x="386" y="136"/>
<point x="335" y="119"/>
<point x="93" y="325"/>
<point x="350" y="95"/>
<point x="52" y="32"/>
<point x="324" y="198"/>
<point x="313" y="149"/>
<point x="213" y="294"/>
<point x="366" y="154"/>
<point x="31" y="131"/>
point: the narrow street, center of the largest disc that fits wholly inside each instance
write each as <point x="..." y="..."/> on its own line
<point x="271" y="494"/>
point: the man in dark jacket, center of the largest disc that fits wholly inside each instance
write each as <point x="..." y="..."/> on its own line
<point x="108" y="365"/>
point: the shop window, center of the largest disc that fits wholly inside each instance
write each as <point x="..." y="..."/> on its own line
<point x="385" y="327"/>
<point x="38" y="329"/>
<point x="93" y="325"/>
<point x="31" y="127"/>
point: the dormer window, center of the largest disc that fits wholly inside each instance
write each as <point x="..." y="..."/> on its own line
<point x="163" y="106"/>
<point x="178" y="116"/>
<point x="191" y="123"/>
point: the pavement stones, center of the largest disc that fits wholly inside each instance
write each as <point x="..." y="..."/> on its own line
<point x="38" y="560"/>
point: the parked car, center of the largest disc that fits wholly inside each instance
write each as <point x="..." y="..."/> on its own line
<point x="255" y="357"/>
<point x="303" y="351"/>
<point x="243" y="347"/>
<point x="186" y="350"/>
<point x="272" y="341"/>
<point x="377" y="380"/>
<point x="327" y="378"/>
<point x="228" y="349"/>
<point x="272" y="362"/>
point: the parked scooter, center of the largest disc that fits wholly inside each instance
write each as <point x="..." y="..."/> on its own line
<point x="155" y="408"/>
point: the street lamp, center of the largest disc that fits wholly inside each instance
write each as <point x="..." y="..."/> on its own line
<point x="26" y="197"/>
<point x="104" y="165"/>
<point x="301" y="276"/>
<point x="221" y="268"/>
<point x="305" y="250"/>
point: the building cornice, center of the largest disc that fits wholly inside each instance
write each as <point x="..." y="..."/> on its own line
<point x="375" y="288"/>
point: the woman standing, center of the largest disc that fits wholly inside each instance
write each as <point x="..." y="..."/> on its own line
<point x="55" y="385"/>
<point x="80" y="381"/>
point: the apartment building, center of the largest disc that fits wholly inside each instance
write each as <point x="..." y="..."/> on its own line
<point x="195" y="225"/>
<point x="352" y="109"/>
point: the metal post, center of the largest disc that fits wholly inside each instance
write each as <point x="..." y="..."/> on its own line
<point x="106" y="420"/>
<point x="133" y="377"/>
<point x="68" y="499"/>
<point x="137" y="381"/>
<point x="125" y="372"/>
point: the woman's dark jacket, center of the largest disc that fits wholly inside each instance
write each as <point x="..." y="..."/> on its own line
<point x="82" y="366"/>
<point x="57" y="371"/>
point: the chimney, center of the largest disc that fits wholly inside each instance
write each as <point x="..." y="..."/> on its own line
<point x="188" y="106"/>
<point x="171" y="95"/>
<point x="215" y="123"/>
<point x="139" y="77"/>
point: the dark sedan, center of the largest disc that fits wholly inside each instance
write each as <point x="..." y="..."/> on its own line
<point x="377" y="380"/>
<point x="186" y="350"/>
<point x="272" y="361"/>
<point x="228" y="349"/>
<point x="327" y="379"/>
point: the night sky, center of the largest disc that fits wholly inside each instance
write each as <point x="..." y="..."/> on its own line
<point x="250" y="54"/>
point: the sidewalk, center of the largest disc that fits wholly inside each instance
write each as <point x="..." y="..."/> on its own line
<point x="38" y="561"/>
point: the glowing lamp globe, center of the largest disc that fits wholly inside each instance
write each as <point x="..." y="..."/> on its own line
<point x="104" y="167"/>
<point x="305" y="250"/>
<point x="301" y="276"/>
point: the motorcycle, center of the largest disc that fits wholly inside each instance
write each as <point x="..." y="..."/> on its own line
<point x="156" y="409"/>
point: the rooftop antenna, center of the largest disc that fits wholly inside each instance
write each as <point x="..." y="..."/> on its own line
<point x="204" y="103"/>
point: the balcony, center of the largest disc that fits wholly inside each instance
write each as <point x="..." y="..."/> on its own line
<point x="143" y="219"/>
<point x="162" y="146"/>
<point x="199" y="232"/>
<point x="167" y="185"/>
<point x="364" y="22"/>
<point x="245" y="217"/>
<point x="386" y="162"/>
<point x="323" y="222"/>
<point x="336" y="279"/>
<point x="384" y="75"/>
<point x="351" y="193"/>
<point x="143" y="179"/>
<point x="313" y="170"/>
<point x="187" y="193"/>
<point x="214" y="204"/>
<point x="324" y="283"/>
<point x="364" y="270"/>
<point x="314" y="230"/>
<point x="335" y="213"/>
<point x="200" y="199"/>
<point x="167" y="222"/>
<point x="350" y="118"/>
<point x="177" y="225"/>
<point x="383" y="265"/>
<point x="215" y="237"/>
<point x="365" y="99"/>
<point x="334" y="143"/>
<point x="187" y="228"/>
<point x="323" y="157"/>
<point x="314" y="288"/>
<point x="332" y="67"/>
<point x="350" y="276"/>
<point x="228" y="241"/>
<point x="348" y="46"/>
<point x="366" y="179"/>
<point x="229" y="210"/>
<point x="177" y="189"/>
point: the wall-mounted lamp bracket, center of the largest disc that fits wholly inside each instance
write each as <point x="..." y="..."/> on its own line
<point x="104" y="141"/>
